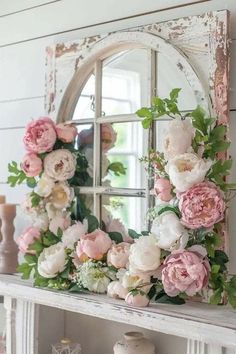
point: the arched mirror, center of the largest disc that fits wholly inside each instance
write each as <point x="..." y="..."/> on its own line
<point x="117" y="76"/>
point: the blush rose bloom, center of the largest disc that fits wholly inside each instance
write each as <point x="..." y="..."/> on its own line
<point x="116" y="290"/>
<point x="178" y="138"/>
<point x="144" y="255"/>
<point x="52" y="260"/>
<point x="202" y="206"/>
<point x="40" y="135"/>
<point x="94" y="245"/>
<point x="61" y="221"/>
<point x="162" y="188"/>
<point x="138" y="300"/>
<point x="60" y="165"/>
<point x="28" y="237"/>
<point x="118" y="255"/>
<point x="74" y="233"/>
<point x="108" y="137"/>
<point x="66" y="132"/>
<point x="186" y="271"/>
<point x="187" y="170"/>
<point x="169" y="232"/>
<point x="32" y="165"/>
<point x="61" y="195"/>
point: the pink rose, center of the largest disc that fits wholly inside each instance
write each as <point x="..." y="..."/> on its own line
<point x="201" y="205"/>
<point x="40" y="135"/>
<point x="66" y="132"/>
<point x="32" y="165"/>
<point x="94" y="245"/>
<point x="108" y="137"/>
<point x="27" y="238"/>
<point x="139" y="300"/>
<point x="162" y="189"/>
<point x="118" y="255"/>
<point x="185" y="271"/>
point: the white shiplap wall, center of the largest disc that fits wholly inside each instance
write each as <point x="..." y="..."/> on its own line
<point x="26" y="28"/>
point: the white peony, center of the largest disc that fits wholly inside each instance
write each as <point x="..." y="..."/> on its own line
<point x="73" y="233"/>
<point x="187" y="170"/>
<point x="95" y="277"/>
<point x="52" y="261"/>
<point x="41" y="221"/>
<point x="116" y="290"/>
<point x="144" y="255"/>
<point x="130" y="281"/>
<point x="169" y="232"/>
<point x="44" y="186"/>
<point x="60" y="165"/>
<point x="62" y="221"/>
<point x="178" y="138"/>
<point x="61" y="195"/>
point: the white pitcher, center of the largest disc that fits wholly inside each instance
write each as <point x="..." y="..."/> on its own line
<point x="134" y="343"/>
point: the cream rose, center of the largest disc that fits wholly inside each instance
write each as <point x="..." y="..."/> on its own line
<point x="52" y="261"/>
<point x="187" y="170"/>
<point x="178" y="137"/>
<point x="73" y="233"/>
<point x="60" y="165"/>
<point x="44" y="186"/>
<point x="144" y="255"/>
<point x="61" y="195"/>
<point x="169" y="232"/>
<point x="116" y="290"/>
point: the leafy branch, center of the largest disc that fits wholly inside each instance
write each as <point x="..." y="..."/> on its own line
<point x="18" y="176"/>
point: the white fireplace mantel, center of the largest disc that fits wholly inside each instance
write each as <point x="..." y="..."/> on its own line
<point x="207" y="328"/>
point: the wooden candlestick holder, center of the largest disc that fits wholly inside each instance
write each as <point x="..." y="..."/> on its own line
<point x="8" y="247"/>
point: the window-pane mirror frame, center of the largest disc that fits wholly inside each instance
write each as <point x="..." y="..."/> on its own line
<point x="190" y="42"/>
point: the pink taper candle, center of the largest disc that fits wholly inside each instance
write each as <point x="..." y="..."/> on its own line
<point x="8" y="247"/>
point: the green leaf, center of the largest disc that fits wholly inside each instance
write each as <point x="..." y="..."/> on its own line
<point x="36" y="246"/>
<point x="118" y="168"/>
<point x="41" y="282"/>
<point x="218" y="133"/>
<point x="146" y="123"/>
<point x="163" y="298"/>
<point x="116" y="236"/>
<point x="174" y="94"/>
<point x="31" y="182"/>
<point x="35" y="199"/>
<point x="59" y="232"/>
<point x="132" y="233"/>
<point x="144" y="112"/>
<point x="169" y="208"/>
<point x="216" y="298"/>
<point x="76" y="289"/>
<point x="65" y="273"/>
<point x="220" y="146"/>
<point x="215" y="268"/>
<point x="199" y="122"/>
<point x="30" y="259"/>
<point x="93" y="223"/>
<point x="25" y="269"/>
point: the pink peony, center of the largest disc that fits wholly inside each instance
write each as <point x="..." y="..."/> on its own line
<point x="118" y="255"/>
<point x="94" y="245"/>
<point x="185" y="271"/>
<point x="27" y="238"/>
<point x="31" y="164"/>
<point x="201" y="205"/>
<point x="66" y="132"/>
<point x="139" y="300"/>
<point x="108" y="137"/>
<point x="162" y="189"/>
<point x="62" y="222"/>
<point x="40" y="135"/>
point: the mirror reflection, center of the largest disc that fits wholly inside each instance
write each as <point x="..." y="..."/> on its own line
<point x="125" y="80"/>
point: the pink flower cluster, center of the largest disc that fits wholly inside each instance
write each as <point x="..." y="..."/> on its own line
<point x="40" y="137"/>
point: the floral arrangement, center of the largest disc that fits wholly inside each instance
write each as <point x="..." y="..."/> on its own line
<point x="181" y="257"/>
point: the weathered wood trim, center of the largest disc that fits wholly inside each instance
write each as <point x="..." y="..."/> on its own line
<point x="201" y="322"/>
<point x="10" y="306"/>
<point x="196" y="347"/>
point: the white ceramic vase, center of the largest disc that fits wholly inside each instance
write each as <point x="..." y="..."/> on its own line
<point x="134" y="343"/>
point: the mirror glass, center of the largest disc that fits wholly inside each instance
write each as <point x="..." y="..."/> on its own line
<point x="125" y="80"/>
<point x="85" y="105"/>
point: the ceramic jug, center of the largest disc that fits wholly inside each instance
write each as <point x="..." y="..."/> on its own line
<point x="134" y="343"/>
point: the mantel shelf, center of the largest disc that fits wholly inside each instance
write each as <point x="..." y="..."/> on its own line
<point x="201" y="322"/>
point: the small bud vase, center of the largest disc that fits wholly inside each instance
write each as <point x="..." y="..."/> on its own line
<point x="8" y="247"/>
<point x="65" y="346"/>
<point x="134" y="343"/>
